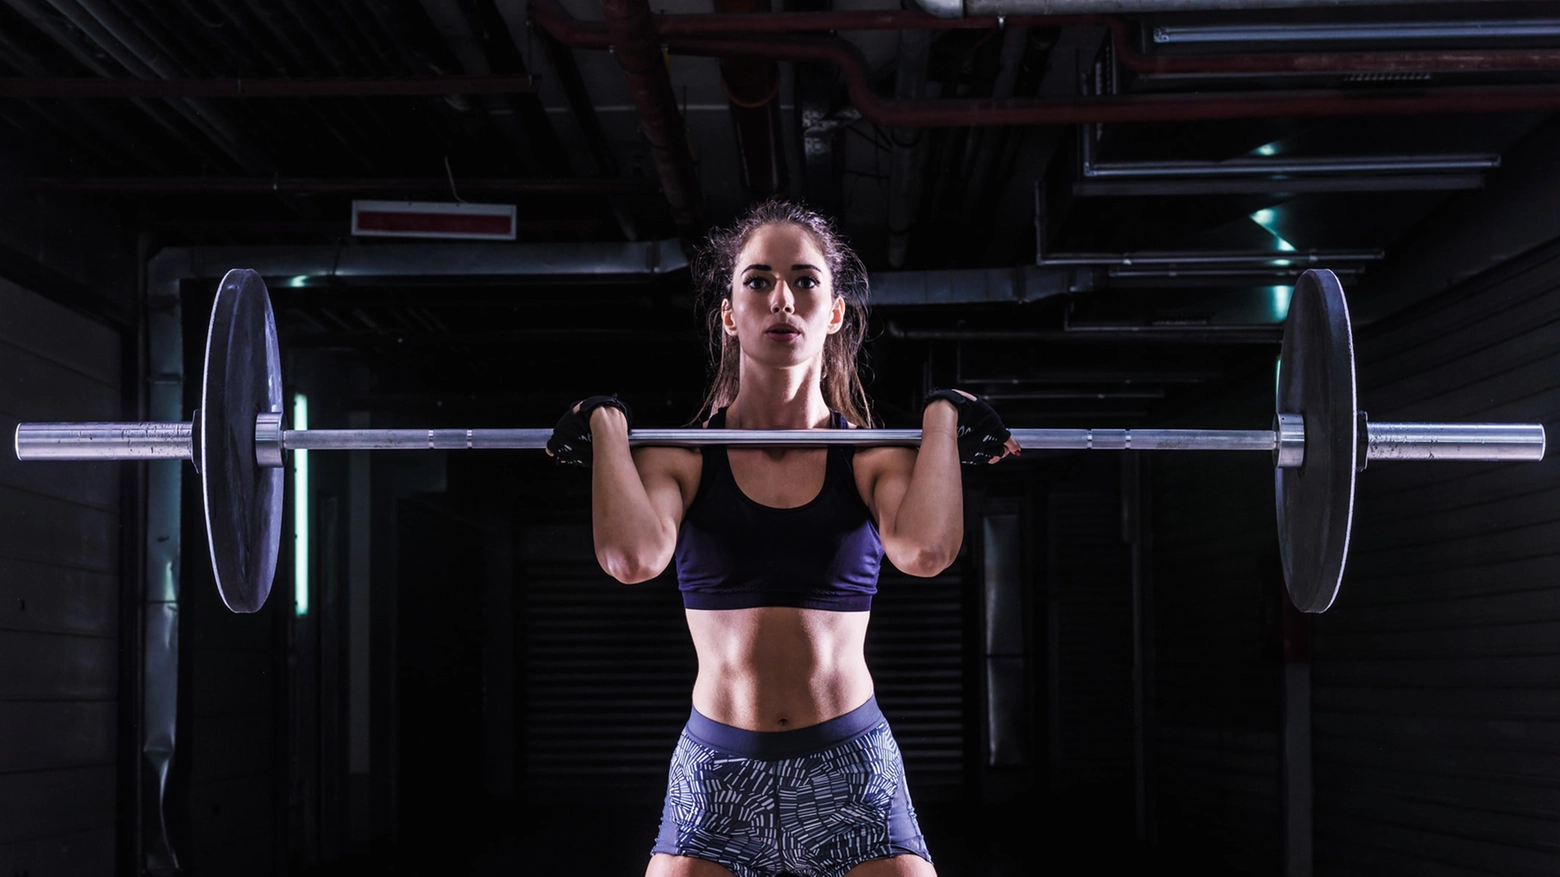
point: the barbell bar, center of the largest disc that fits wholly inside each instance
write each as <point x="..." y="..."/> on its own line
<point x="238" y="441"/>
<point x="175" y="441"/>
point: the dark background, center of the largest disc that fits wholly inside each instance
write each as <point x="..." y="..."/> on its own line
<point x="1109" y="675"/>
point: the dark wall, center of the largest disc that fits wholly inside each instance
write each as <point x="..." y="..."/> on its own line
<point x="1435" y="673"/>
<point x="1214" y="750"/>
<point x="60" y="595"/>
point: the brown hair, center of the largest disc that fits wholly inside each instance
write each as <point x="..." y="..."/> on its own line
<point x="714" y="265"/>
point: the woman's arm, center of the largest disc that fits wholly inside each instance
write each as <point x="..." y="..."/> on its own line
<point x="917" y="496"/>
<point x="637" y="501"/>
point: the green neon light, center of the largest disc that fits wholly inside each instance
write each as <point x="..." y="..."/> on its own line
<point x="300" y="492"/>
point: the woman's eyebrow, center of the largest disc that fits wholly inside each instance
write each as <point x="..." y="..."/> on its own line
<point x="755" y="268"/>
<point x="805" y="268"/>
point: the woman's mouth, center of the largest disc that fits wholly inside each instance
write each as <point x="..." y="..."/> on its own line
<point x="783" y="333"/>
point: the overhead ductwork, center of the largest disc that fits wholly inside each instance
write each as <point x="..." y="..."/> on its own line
<point x="968" y="8"/>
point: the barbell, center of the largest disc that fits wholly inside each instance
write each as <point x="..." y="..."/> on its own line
<point x="238" y="441"/>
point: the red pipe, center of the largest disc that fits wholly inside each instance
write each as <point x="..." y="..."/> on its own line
<point x="1052" y="111"/>
<point x="751" y="86"/>
<point x="630" y="31"/>
<point x="88" y="87"/>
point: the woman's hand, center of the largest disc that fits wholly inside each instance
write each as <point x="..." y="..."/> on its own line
<point x="982" y="437"/>
<point x="571" y="439"/>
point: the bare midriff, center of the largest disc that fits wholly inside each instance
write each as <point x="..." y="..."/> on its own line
<point x="777" y="668"/>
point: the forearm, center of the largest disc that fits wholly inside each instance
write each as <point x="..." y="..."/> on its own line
<point x="631" y="541"/>
<point x="929" y="525"/>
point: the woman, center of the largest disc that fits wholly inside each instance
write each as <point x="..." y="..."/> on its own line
<point x="786" y="764"/>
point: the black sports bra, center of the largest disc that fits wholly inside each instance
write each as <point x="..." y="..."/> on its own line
<point x="734" y="553"/>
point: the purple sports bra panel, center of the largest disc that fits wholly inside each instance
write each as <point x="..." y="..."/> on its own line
<point x="734" y="553"/>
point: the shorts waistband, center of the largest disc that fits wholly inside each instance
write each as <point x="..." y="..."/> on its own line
<point x="773" y="745"/>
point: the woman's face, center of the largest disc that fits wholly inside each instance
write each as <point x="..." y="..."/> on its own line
<point x="782" y="305"/>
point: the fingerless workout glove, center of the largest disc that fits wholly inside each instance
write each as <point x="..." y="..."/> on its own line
<point x="981" y="433"/>
<point x="570" y="442"/>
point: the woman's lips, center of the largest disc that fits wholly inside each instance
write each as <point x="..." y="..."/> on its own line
<point x="783" y="334"/>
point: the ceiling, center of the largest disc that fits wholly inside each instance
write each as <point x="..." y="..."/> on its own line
<point x="1166" y="175"/>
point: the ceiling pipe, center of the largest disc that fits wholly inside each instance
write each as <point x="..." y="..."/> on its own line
<point x="333" y="186"/>
<point x="89" y="87"/>
<point x="962" y="8"/>
<point x="631" y="36"/>
<point x="1054" y="111"/>
<point x="752" y="89"/>
<point x="1440" y="60"/>
<point x="1199" y="333"/>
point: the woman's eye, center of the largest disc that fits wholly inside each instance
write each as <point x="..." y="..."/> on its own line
<point x="806" y="282"/>
<point x="756" y="282"/>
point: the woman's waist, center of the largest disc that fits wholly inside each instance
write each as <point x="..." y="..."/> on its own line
<point x="774" y="699"/>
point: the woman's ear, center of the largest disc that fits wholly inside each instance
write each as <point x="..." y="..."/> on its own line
<point x="726" y="319"/>
<point x="837" y="314"/>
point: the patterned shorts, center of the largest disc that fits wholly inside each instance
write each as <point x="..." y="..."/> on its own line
<point x="814" y="802"/>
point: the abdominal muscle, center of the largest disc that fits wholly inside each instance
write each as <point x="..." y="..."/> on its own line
<point x="777" y="668"/>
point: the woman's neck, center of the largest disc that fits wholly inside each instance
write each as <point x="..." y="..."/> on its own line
<point x="778" y="399"/>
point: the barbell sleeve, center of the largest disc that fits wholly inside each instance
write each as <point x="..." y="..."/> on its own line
<point x="1454" y="441"/>
<point x="104" y="441"/>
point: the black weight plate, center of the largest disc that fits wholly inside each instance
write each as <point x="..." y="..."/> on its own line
<point x="1316" y="499"/>
<point x="243" y="500"/>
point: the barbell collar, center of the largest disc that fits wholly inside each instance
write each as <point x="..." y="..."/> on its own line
<point x="1288" y="440"/>
<point x="269" y="449"/>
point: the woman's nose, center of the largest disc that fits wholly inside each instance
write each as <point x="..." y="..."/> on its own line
<point x="781" y="300"/>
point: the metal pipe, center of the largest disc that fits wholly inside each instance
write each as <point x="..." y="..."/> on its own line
<point x="1260" y="258"/>
<point x="630" y="26"/>
<point x="1292" y="32"/>
<point x="89" y="87"/>
<point x="329" y="186"/>
<point x="555" y="20"/>
<point x="1021" y="7"/>
<point x="1386" y="441"/>
<point x="1056" y="111"/>
<point x="1196" y="334"/>
<point x="1291" y="167"/>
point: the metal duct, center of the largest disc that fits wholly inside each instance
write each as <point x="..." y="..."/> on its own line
<point x="482" y="259"/>
<point x="1056" y="111"/>
<point x="968" y="286"/>
<point x="964" y="8"/>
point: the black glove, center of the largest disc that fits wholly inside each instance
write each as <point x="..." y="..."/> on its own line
<point x="982" y="437"/>
<point x="570" y="442"/>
